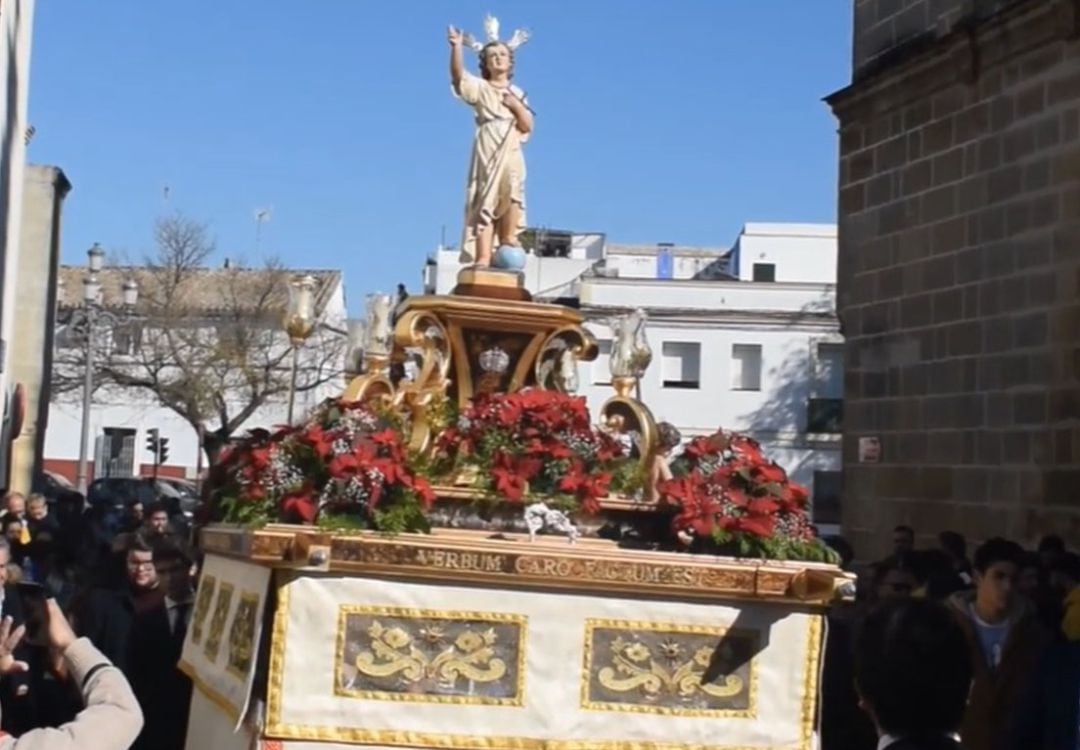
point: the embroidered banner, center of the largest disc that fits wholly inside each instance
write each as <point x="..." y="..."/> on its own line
<point x="222" y="640"/>
<point x="433" y="665"/>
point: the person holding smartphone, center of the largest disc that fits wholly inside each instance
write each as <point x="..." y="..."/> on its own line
<point x="16" y="691"/>
<point x="111" y="719"/>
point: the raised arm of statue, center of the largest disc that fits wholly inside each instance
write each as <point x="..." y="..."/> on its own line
<point x="457" y="57"/>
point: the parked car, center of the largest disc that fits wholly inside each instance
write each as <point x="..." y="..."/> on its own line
<point x="119" y="492"/>
<point x="189" y="493"/>
<point x="56" y="487"/>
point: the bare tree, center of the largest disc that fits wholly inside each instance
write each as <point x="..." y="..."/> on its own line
<point x="206" y="343"/>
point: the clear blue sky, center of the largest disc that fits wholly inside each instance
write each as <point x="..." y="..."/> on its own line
<point x="657" y="121"/>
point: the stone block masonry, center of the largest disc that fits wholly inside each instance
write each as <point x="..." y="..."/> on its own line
<point x="959" y="268"/>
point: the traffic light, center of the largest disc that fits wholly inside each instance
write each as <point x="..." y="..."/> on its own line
<point x="152" y="440"/>
<point x="163" y="450"/>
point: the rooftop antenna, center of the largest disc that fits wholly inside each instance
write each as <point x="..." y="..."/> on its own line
<point x="262" y="215"/>
<point x="442" y="238"/>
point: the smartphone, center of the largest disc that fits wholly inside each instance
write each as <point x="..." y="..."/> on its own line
<point x="33" y="597"/>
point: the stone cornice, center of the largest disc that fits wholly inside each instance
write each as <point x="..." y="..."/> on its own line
<point x="927" y="64"/>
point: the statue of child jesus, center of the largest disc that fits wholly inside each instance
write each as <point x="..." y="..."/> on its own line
<point x="495" y="193"/>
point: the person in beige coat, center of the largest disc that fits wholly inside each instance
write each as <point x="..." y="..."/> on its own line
<point x="112" y="718"/>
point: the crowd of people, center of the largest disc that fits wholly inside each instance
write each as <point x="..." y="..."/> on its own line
<point x="1012" y="615"/>
<point x="939" y="651"/>
<point x="125" y="583"/>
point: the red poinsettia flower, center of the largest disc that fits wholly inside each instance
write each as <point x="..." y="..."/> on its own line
<point x="737" y="497"/>
<point x="762" y="506"/>
<point x="299" y="503"/>
<point x="529" y="466"/>
<point x="508" y="482"/>
<point x="706" y="447"/>
<point x="423" y="489"/>
<point x="260" y="458"/>
<point x="761" y="526"/>
<point x="321" y="441"/>
<point x="769" y="473"/>
<point x="344" y="465"/>
<point x="699" y="515"/>
<point x="747" y="448"/>
<point x="797" y="495"/>
<point x="726" y="484"/>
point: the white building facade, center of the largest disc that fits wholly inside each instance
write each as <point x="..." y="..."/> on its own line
<point x="746" y="339"/>
<point x="121" y="418"/>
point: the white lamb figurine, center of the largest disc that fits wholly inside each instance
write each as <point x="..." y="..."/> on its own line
<point x="539" y="517"/>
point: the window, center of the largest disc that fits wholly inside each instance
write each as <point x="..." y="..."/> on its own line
<point x="115" y="453"/>
<point x="829" y="366"/>
<point x="764" y="272"/>
<point x="825" y="416"/>
<point x="746" y="367"/>
<point x="681" y="364"/>
<point x="601" y="366"/>
<point x="825" y="412"/>
<point x="826" y="502"/>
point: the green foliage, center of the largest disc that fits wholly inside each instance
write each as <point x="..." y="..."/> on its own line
<point x="246" y="513"/>
<point x="406" y="515"/>
<point x="442" y="412"/>
<point x="629" y="478"/>
<point x="775" y="548"/>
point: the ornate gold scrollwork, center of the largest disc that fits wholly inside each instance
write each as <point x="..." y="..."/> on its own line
<point x="394" y="651"/>
<point x="669" y="668"/>
<point x="242" y="636"/>
<point x="373" y="387"/>
<point x="634" y="667"/>
<point x="207" y="589"/>
<point x="421" y="329"/>
<point x="422" y="332"/>
<point x="370" y="388"/>
<point x="556" y="363"/>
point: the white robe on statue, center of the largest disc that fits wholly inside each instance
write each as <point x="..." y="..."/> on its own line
<point x="497" y="168"/>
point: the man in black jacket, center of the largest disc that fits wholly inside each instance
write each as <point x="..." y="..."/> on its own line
<point x="157" y="639"/>
<point x="1050" y="716"/>
<point x="16" y="691"/>
<point x="913" y="674"/>
<point x="107" y="616"/>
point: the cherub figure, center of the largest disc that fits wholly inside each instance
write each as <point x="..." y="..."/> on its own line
<point x="495" y="192"/>
<point x="668" y="438"/>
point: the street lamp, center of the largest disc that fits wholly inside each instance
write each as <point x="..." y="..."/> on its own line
<point x="91" y="319"/>
<point x="299" y="323"/>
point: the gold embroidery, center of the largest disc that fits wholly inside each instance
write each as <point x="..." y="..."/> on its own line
<point x="242" y="636"/>
<point x="207" y="587"/>
<point x="217" y="621"/>
<point x="674" y="669"/>
<point x="208" y="690"/>
<point x="811" y="677"/>
<point x="395" y="653"/>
